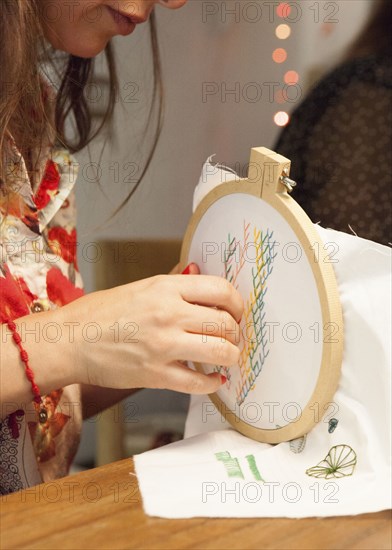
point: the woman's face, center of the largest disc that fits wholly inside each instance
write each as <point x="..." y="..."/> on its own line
<point x="84" y="27"/>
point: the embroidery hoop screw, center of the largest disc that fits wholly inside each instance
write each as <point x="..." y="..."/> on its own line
<point x="287" y="182"/>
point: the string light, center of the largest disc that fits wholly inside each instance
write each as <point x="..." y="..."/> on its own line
<point x="283" y="10"/>
<point x="283" y="31"/>
<point x="280" y="97"/>
<point x="291" y="77"/>
<point x="279" y="55"/>
<point x="281" y="118"/>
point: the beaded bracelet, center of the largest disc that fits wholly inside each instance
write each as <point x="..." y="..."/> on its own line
<point x="42" y="414"/>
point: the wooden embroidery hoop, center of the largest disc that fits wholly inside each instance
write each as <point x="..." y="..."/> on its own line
<point x="268" y="180"/>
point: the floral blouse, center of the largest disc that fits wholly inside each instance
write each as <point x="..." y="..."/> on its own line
<point x="38" y="272"/>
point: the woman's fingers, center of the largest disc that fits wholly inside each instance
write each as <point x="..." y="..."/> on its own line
<point x="210" y="321"/>
<point x="181" y="378"/>
<point x="177" y="317"/>
<point x="211" y="350"/>
<point x="209" y="290"/>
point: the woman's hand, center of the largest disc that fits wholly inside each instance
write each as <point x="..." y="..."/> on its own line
<point x="138" y="335"/>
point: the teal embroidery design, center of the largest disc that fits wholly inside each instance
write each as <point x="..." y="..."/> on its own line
<point x="339" y="462"/>
<point x="332" y="425"/>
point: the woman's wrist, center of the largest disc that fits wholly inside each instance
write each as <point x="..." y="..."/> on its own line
<point x="59" y="336"/>
<point x="51" y="355"/>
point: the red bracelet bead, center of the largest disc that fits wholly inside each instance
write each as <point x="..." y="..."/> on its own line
<point x="42" y="415"/>
<point x="16" y="337"/>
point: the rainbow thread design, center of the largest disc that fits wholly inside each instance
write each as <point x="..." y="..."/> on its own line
<point x="234" y="262"/>
<point x="254" y="351"/>
<point x="233" y="269"/>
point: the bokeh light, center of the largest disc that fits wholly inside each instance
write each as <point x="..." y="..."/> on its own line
<point x="279" y="97"/>
<point x="291" y="77"/>
<point x="283" y="31"/>
<point x="281" y="118"/>
<point x="283" y="10"/>
<point x="279" y="55"/>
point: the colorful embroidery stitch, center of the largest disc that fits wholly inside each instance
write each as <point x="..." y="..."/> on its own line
<point x="339" y="462"/>
<point x="254" y="350"/>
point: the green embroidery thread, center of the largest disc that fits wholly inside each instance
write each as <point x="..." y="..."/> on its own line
<point x="339" y="462"/>
<point x="239" y="253"/>
<point x="232" y="466"/>
<point x="253" y="468"/>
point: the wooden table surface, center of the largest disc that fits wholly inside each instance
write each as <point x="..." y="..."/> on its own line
<point x="101" y="508"/>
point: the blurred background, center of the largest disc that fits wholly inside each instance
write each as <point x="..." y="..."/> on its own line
<point x="233" y="72"/>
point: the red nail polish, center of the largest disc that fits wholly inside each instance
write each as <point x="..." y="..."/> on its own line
<point x="223" y="379"/>
<point x="187" y="270"/>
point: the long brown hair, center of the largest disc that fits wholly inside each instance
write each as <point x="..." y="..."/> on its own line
<point x="23" y="110"/>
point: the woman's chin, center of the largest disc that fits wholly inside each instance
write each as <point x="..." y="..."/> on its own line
<point x="86" y="49"/>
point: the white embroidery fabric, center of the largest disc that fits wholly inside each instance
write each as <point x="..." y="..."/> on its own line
<point x="343" y="467"/>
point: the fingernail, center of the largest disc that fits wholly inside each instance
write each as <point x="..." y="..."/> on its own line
<point x="223" y="379"/>
<point x="187" y="270"/>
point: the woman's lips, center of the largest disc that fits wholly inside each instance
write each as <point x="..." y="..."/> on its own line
<point x="124" y="24"/>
